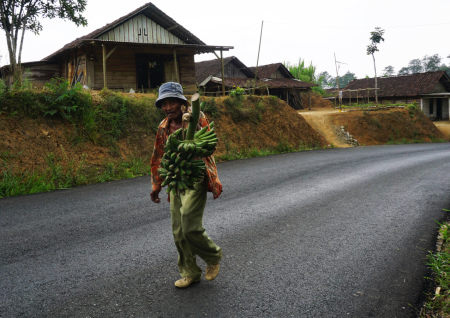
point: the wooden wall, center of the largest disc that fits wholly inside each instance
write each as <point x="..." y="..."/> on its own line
<point x="38" y="75"/>
<point x="140" y="29"/>
<point x="231" y="71"/>
<point x="121" y="68"/>
<point x="187" y="74"/>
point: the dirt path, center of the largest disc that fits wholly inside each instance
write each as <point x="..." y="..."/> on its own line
<point x="444" y="127"/>
<point x="319" y="120"/>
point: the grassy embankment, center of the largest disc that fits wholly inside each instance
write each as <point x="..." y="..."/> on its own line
<point x="62" y="137"/>
<point x="437" y="304"/>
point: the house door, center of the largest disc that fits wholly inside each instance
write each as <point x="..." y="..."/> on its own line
<point x="438" y="108"/>
<point x="142" y="73"/>
<point x="156" y="73"/>
<point x="149" y="71"/>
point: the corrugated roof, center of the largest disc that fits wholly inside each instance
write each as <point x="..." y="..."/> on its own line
<point x="407" y="85"/>
<point x="213" y="67"/>
<point x="149" y="10"/>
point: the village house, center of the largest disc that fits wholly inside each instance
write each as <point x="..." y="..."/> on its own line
<point x="430" y="91"/>
<point x="273" y="79"/>
<point x="139" y="51"/>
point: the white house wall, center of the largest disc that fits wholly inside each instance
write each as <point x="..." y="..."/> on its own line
<point x="425" y="106"/>
<point x="140" y="29"/>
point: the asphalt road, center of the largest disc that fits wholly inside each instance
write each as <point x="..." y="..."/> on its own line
<point x="325" y="233"/>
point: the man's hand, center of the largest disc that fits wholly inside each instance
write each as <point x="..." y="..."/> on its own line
<point x="154" y="195"/>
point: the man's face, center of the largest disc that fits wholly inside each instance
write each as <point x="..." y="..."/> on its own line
<point x="172" y="107"/>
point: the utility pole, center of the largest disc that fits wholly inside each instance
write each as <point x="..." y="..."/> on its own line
<point x="257" y="60"/>
<point x="336" y="63"/>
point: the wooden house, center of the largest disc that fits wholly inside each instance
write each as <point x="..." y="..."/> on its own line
<point x="273" y="79"/>
<point x="138" y="51"/>
<point x="430" y="91"/>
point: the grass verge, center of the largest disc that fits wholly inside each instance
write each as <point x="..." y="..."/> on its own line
<point x="62" y="176"/>
<point x="438" y="302"/>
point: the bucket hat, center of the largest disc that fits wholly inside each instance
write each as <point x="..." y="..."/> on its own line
<point x="170" y="89"/>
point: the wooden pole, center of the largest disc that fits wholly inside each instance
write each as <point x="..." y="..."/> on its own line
<point x="257" y="60"/>
<point x="223" y="73"/>
<point x="175" y="65"/>
<point x="309" y="94"/>
<point x="104" y="66"/>
<point x="337" y="80"/>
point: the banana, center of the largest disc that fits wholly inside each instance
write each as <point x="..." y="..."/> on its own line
<point x="200" y="132"/>
<point x="165" y="182"/>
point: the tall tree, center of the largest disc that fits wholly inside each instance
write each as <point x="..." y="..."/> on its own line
<point x="415" y="66"/>
<point x="431" y="63"/>
<point x="388" y="71"/>
<point x="375" y="38"/>
<point x="18" y="16"/>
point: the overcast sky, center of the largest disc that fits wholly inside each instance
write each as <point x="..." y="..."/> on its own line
<point x="310" y="30"/>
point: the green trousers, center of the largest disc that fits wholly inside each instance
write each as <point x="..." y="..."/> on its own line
<point x="190" y="237"/>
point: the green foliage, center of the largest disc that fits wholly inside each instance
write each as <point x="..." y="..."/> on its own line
<point x="343" y="80"/>
<point x="64" y="101"/>
<point x="376" y="37"/>
<point x="62" y="173"/>
<point x="241" y="113"/>
<point x="211" y="108"/>
<point x="252" y="152"/>
<point x="238" y="93"/>
<point x="426" y="64"/>
<point x="438" y="302"/>
<point x="305" y="74"/>
<point x="18" y="15"/>
<point x="3" y="93"/>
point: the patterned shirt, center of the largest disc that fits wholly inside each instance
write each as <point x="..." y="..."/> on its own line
<point x="214" y="184"/>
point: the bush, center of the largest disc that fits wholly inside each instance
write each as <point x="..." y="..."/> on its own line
<point x="64" y="101"/>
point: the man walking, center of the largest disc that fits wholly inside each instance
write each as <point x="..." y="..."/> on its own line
<point x="186" y="210"/>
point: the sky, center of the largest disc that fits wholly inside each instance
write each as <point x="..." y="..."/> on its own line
<point x="314" y="31"/>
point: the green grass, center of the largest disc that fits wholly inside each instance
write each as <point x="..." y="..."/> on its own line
<point x="438" y="301"/>
<point x="282" y="147"/>
<point x="70" y="174"/>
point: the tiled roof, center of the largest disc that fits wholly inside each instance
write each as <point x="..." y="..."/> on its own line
<point x="271" y="83"/>
<point x="212" y="67"/>
<point x="399" y="86"/>
<point x="153" y="13"/>
<point x="264" y="71"/>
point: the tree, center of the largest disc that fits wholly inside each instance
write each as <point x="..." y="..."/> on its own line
<point x="343" y="80"/>
<point x="415" y="66"/>
<point x="18" y="16"/>
<point x="388" y="71"/>
<point x="431" y="63"/>
<point x="404" y="71"/>
<point x="375" y="38"/>
<point x="305" y="74"/>
<point x="325" y="78"/>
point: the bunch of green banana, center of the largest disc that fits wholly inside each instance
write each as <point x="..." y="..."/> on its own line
<point x="181" y="165"/>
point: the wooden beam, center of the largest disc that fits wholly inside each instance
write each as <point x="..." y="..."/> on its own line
<point x="175" y="65"/>
<point x="104" y="67"/>
<point x="223" y="73"/>
<point x="111" y="52"/>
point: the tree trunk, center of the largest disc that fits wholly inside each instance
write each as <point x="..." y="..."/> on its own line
<point x="376" y="86"/>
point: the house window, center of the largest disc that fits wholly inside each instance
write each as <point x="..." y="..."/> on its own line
<point x="430" y="107"/>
